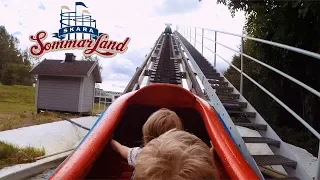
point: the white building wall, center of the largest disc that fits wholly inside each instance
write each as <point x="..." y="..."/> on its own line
<point x="100" y="93"/>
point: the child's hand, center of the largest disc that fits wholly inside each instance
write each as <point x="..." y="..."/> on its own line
<point x="212" y="148"/>
<point x="123" y="150"/>
<point x="114" y="144"/>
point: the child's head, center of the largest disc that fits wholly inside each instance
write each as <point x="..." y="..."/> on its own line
<point x="175" y="155"/>
<point x="160" y="122"/>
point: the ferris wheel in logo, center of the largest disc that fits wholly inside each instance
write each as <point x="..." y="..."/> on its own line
<point x="77" y="23"/>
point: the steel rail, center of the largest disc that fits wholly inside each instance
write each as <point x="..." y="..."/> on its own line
<point x="139" y="70"/>
<point x="310" y="89"/>
<point x="310" y="128"/>
<point x="291" y="48"/>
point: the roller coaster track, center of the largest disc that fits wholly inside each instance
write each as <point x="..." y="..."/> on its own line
<point x="174" y="58"/>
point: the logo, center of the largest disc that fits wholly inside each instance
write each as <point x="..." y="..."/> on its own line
<point x="78" y="31"/>
<point x="73" y="23"/>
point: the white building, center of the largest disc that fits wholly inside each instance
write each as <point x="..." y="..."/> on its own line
<point x="105" y="97"/>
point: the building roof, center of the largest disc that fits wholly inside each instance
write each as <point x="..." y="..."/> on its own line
<point x="51" y="67"/>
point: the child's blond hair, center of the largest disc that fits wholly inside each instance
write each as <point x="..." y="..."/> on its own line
<point x="160" y="122"/>
<point x="176" y="155"/>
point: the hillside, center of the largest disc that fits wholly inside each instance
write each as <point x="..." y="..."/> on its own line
<point x="17" y="108"/>
<point x="17" y="99"/>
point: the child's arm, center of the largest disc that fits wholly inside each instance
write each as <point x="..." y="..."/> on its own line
<point x="121" y="149"/>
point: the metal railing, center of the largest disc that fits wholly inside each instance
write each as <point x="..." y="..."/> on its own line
<point x="187" y="33"/>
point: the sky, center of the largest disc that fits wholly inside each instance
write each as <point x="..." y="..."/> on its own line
<point x="141" y="20"/>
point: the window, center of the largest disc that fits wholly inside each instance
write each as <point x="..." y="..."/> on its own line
<point x="108" y="100"/>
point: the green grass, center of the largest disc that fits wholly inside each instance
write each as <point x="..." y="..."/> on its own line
<point x="8" y="108"/>
<point x="14" y="121"/>
<point x="11" y="154"/>
<point x="17" y="99"/>
<point x="17" y="108"/>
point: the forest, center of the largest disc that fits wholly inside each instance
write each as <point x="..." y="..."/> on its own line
<point x="15" y="63"/>
<point x="294" y="23"/>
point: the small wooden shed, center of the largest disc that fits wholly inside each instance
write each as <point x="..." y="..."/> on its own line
<point x="66" y="85"/>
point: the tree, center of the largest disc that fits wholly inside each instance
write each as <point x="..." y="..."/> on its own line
<point x="93" y="58"/>
<point x="87" y="58"/>
<point x="14" y="64"/>
<point x="28" y="59"/>
<point x="295" y="23"/>
<point x="9" y="74"/>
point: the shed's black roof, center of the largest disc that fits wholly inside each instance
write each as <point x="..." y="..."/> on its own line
<point x="53" y="67"/>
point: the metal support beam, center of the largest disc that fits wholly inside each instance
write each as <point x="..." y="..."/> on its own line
<point x="190" y="35"/>
<point x="190" y="74"/>
<point x="186" y="35"/>
<point x="202" y="35"/>
<point x="195" y="37"/>
<point x="215" y="49"/>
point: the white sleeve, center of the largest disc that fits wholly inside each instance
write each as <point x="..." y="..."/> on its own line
<point x="132" y="155"/>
